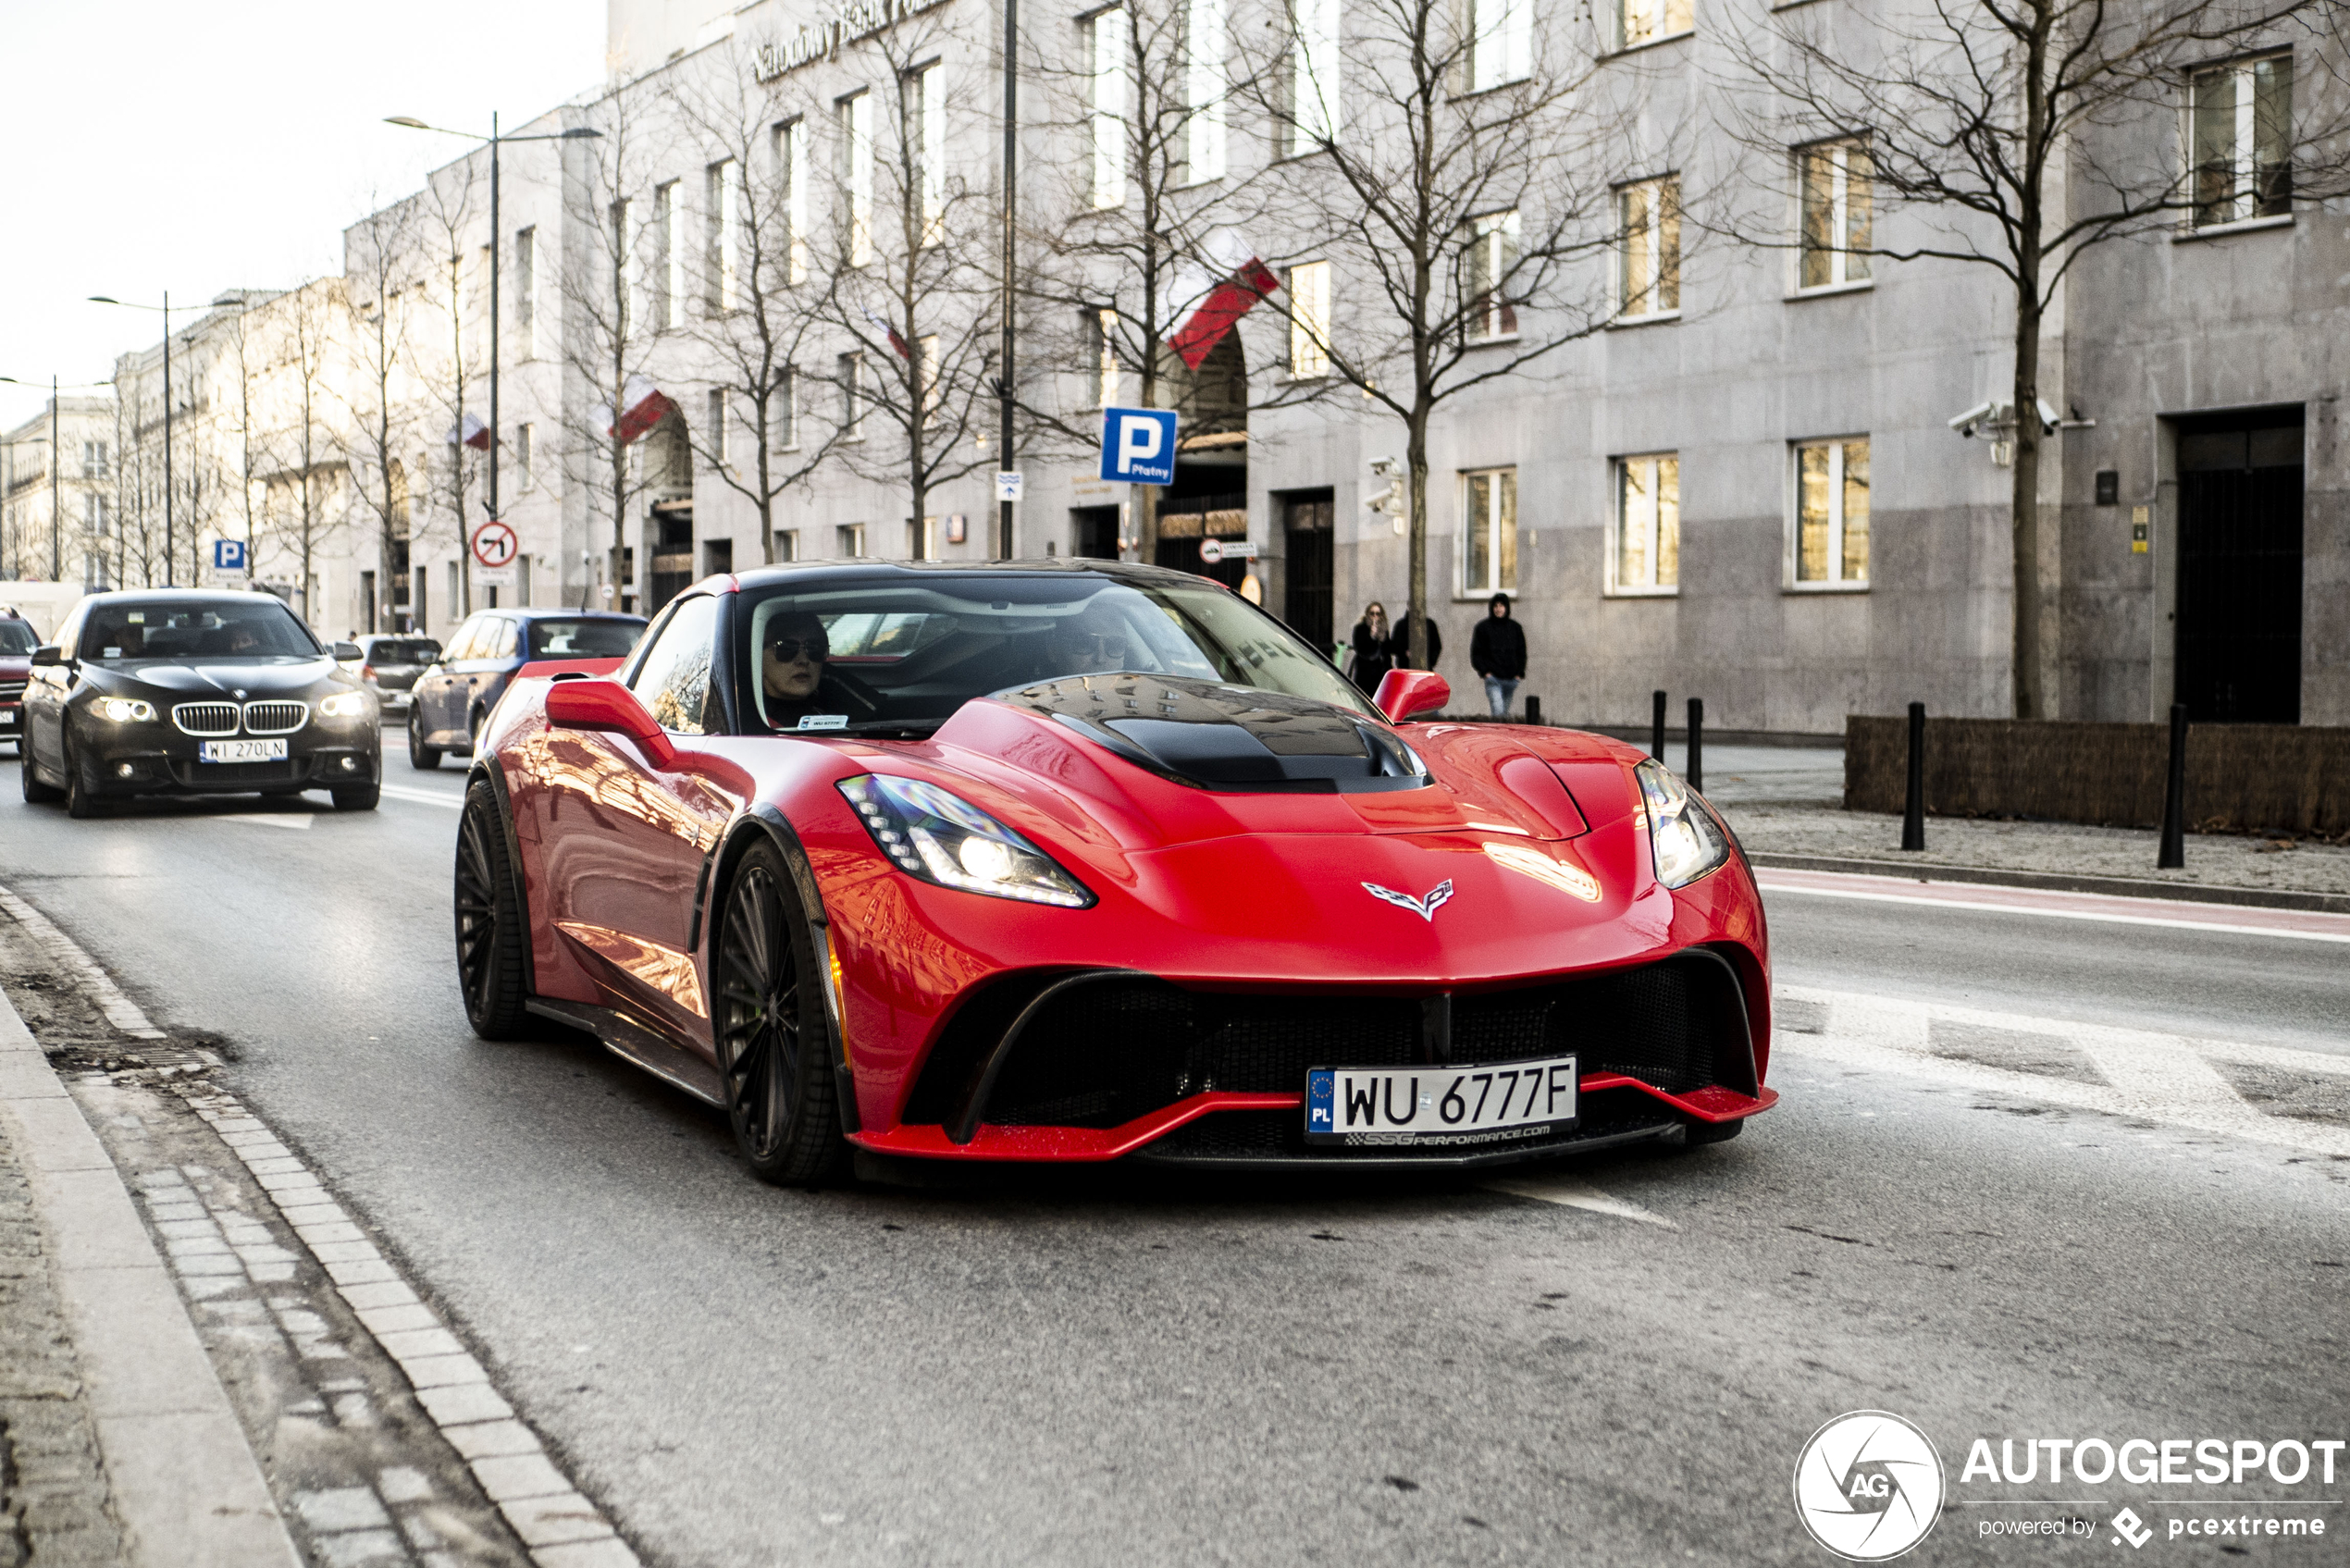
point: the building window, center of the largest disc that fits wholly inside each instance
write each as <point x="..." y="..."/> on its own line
<point x="526" y="443"/>
<point x="1646" y="21"/>
<point x="1647" y="218"/>
<point x="1313" y="84"/>
<point x="849" y="539"/>
<point x="1106" y="40"/>
<point x="1491" y="258"/>
<point x="1489" y="540"/>
<point x="2242" y="114"/>
<point x="94" y="460"/>
<point x="669" y="258"/>
<point x="1309" y="319"/>
<point x="926" y="113"/>
<point x="1206" y="43"/>
<point x="526" y="291"/>
<point x="856" y="156"/>
<point x="1101" y="352"/>
<point x="849" y="370"/>
<point x="1831" y="545"/>
<point x="623" y="253"/>
<point x="1644" y="552"/>
<point x="1502" y="42"/>
<point x="921" y="538"/>
<point x="785" y="420"/>
<point x="725" y="217"/>
<point x="791" y="167"/>
<point x="787" y="544"/>
<point x="1834" y="241"/>
<point x="718" y="449"/>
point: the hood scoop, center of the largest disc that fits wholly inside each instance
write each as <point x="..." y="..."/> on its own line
<point x="1223" y="738"/>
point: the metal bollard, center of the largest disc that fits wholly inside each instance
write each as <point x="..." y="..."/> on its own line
<point x="2174" y="856"/>
<point x="1914" y="810"/>
<point x="1656" y="730"/>
<point x="1533" y="709"/>
<point x="1695" y="771"/>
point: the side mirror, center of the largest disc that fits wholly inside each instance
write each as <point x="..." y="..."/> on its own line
<point x="47" y="655"/>
<point x="344" y="651"/>
<point x="1402" y="693"/>
<point x="607" y="705"/>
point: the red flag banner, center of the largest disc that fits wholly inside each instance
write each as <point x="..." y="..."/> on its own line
<point x="643" y="405"/>
<point x="1241" y="279"/>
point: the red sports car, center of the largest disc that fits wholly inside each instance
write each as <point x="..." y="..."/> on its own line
<point x="1075" y="860"/>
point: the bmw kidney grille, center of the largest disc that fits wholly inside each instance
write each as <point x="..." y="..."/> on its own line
<point x="205" y="718"/>
<point x="214" y="720"/>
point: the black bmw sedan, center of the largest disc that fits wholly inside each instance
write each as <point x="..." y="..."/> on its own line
<point x="193" y="691"/>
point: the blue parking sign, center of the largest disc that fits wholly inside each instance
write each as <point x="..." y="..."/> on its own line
<point x="227" y="555"/>
<point x="1138" y="446"/>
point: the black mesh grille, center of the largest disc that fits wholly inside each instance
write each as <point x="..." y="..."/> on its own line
<point x="233" y="775"/>
<point x="1104" y="1052"/>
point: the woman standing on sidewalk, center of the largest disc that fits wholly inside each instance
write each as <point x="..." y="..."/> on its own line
<point x="1370" y="660"/>
<point x="1497" y="651"/>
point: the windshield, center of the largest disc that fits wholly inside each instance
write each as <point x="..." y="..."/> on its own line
<point x="211" y="630"/>
<point x="608" y="638"/>
<point x="411" y="650"/>
<point x="16" y="636"/>
<point x="892" y="654"/>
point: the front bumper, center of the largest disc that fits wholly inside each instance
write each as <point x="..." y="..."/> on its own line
<point x="127" y="768"/>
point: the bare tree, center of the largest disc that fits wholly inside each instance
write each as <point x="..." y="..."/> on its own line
<point x="445" y="212"/>
<point x="2019" y="135"/>
<point x="1450" y="158"/>
<point x="755" y="316"/>
<point x="374" y="425"/>
<point x="304" y="326"/>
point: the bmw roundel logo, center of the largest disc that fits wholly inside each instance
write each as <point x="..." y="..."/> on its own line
<point x="1868" y="1486"/>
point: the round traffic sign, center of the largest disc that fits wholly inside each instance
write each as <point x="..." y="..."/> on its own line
<point x="494" y="544"/>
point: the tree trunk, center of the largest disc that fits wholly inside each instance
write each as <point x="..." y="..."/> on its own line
<point x="2030" y="701"/>
<point x="1416" y="457"/>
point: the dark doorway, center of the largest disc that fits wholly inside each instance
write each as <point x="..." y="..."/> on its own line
<point x="2239" y="626"/>
<point x="672" y="527"/>
<point x="1185" y="523"/>
<point x="717" y="557"/>
<point x="1093" y="532"/>
<point x="1306" y="598"/>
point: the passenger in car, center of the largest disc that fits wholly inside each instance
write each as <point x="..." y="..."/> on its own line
<point x="791" y="671"/>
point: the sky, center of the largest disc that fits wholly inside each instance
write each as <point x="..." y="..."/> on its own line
<point x="160" y="144"/>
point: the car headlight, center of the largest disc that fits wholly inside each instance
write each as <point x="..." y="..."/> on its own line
<point x="124" y="709"/>
<point x="1683" y="837"/>
<point x="942" y="838"/>
<point x="343" y="704"/>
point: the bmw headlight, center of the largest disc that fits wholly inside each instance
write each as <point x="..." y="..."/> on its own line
<point x="1683" y="837"/>
<point x="124" y="709"/>
<point x="343" y="704"/>
<point x="942" y="838"/>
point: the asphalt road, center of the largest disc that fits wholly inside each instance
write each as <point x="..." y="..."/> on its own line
<point x="1090" y="1368"/>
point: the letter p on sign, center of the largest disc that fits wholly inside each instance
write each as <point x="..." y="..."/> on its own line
<point x="1138" y="446"/>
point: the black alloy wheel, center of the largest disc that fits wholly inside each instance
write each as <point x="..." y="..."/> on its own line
<point x="775" y="1047"/>
<point x="35" y="791"/>
<point x="490" y="919"/>
<point x="81" y="797"/>
<point x="421" y="757"/>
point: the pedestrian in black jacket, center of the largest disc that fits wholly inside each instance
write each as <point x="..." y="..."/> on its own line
<point x="1497" y="651"/>
<point x="1399" y="647"/>
<point x="1370" y="659"/>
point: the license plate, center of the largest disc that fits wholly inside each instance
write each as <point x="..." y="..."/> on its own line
<point x="1439" y="1104"/>
<point x="243" y="751"/>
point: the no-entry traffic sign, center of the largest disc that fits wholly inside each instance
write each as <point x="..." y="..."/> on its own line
<point x="494" y="544"/>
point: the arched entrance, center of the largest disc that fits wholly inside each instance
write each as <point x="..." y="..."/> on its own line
<point x="1209" y="497"/>
<point x="669" y="512"/>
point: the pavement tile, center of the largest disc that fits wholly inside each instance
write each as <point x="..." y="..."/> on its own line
<point x="554" y="1519"/>
<point x="463" y="1402"/>
<point x="321" y="1212"/>
<point x="364" y="1270"/>
<point x="490" y="1440"/>
<point x="383" y="1293"/>
<point x="610" y="1552"/>
<point x="199" y="1489"/>
<point x="160" y="1212"/>
<point x="221" y="1263"/>
<point x="400" y="1482"/>
<point x="209" y="1239"/>
<point x="413" y="1344"/>
<point x="357" y="1548"/>
<point x="26" y="1075"/>
<point x="336" y="1230"/>
<point x="342" y="1508"/>
<point x="345" y="1252"/>
<point x="53" y="1137"/>
<point x="385" y="1320"/>
<point x="442" y="1371"/>
<point x="510" y="1476"/>
<point x="286" y="1182"/>
<point x="171" y="1229"/>
<point x="277" y="1164"/>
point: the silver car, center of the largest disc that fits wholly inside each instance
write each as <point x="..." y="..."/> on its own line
<point x="389" y="665"/>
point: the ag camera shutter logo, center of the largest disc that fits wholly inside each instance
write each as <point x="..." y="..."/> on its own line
<point x="1868" y="1486"/>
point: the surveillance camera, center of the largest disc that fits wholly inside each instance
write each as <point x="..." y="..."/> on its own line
<point x="1965" y="422"/>
<point x="2049" y="419"/>
<point x="1382" y="466"/>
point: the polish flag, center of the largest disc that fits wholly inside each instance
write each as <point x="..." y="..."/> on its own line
<point x="1223" y="289"/>
<point x="895" y="341"/>
<point x="642" y="406"/>
<point x="471" y="433"/>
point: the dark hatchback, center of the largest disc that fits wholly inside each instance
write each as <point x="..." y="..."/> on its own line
<point x="186" y="691"/>
<point x="455" y="695"/>
<point x="389" y="665"/>
<point x="16" y="643"/>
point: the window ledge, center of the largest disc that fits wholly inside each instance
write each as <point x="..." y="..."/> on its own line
<point x="1822" y="291"/>
<point x="1658" y="318"/>
<point x="1650" y="43"/>
<point x="1669" y="591"/>
<point x="2222" y="230"/>
<point x="1860" y="587"/>
<point x="1498" y="338"/>
<point x="1480" y="596"/>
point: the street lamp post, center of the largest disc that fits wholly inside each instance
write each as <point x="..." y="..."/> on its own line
<point x="497" y="271"/>
<point x="57" y="457"/>
<point x="170" y="544"/>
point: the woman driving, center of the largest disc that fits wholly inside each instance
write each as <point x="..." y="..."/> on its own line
<point x="791" y="670"/>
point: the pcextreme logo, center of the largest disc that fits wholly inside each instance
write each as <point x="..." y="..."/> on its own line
<point x="1868" y="1486"/>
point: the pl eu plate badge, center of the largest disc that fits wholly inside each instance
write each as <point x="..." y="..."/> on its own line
<point x="1320" y="1093"/>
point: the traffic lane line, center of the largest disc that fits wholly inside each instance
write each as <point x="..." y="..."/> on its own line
<point x="2156" y="1076"/>
<point x="1579" y="1195"/>
<point x="2178" y="915"/>
<point x="424" y="798"/>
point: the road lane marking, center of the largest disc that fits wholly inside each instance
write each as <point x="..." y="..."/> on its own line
<point x="1578" y="1195"/>
<point x="426" y="798"/>
<point x="120" y="1010"/>
<point x="267" y="818"/>
<point x="2173" y="914"/>
<point x="2152" y="1076"/>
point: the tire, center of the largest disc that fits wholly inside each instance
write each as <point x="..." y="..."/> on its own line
<point x="768" y="1023"/>
<point x="490" y="919"/>
<point x="358" y="798"/>
<point x="1695" y="1134"/>
<point x="422" y="757"/>
<point x="35" y="791"/>
<point x="81" y="797"/>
